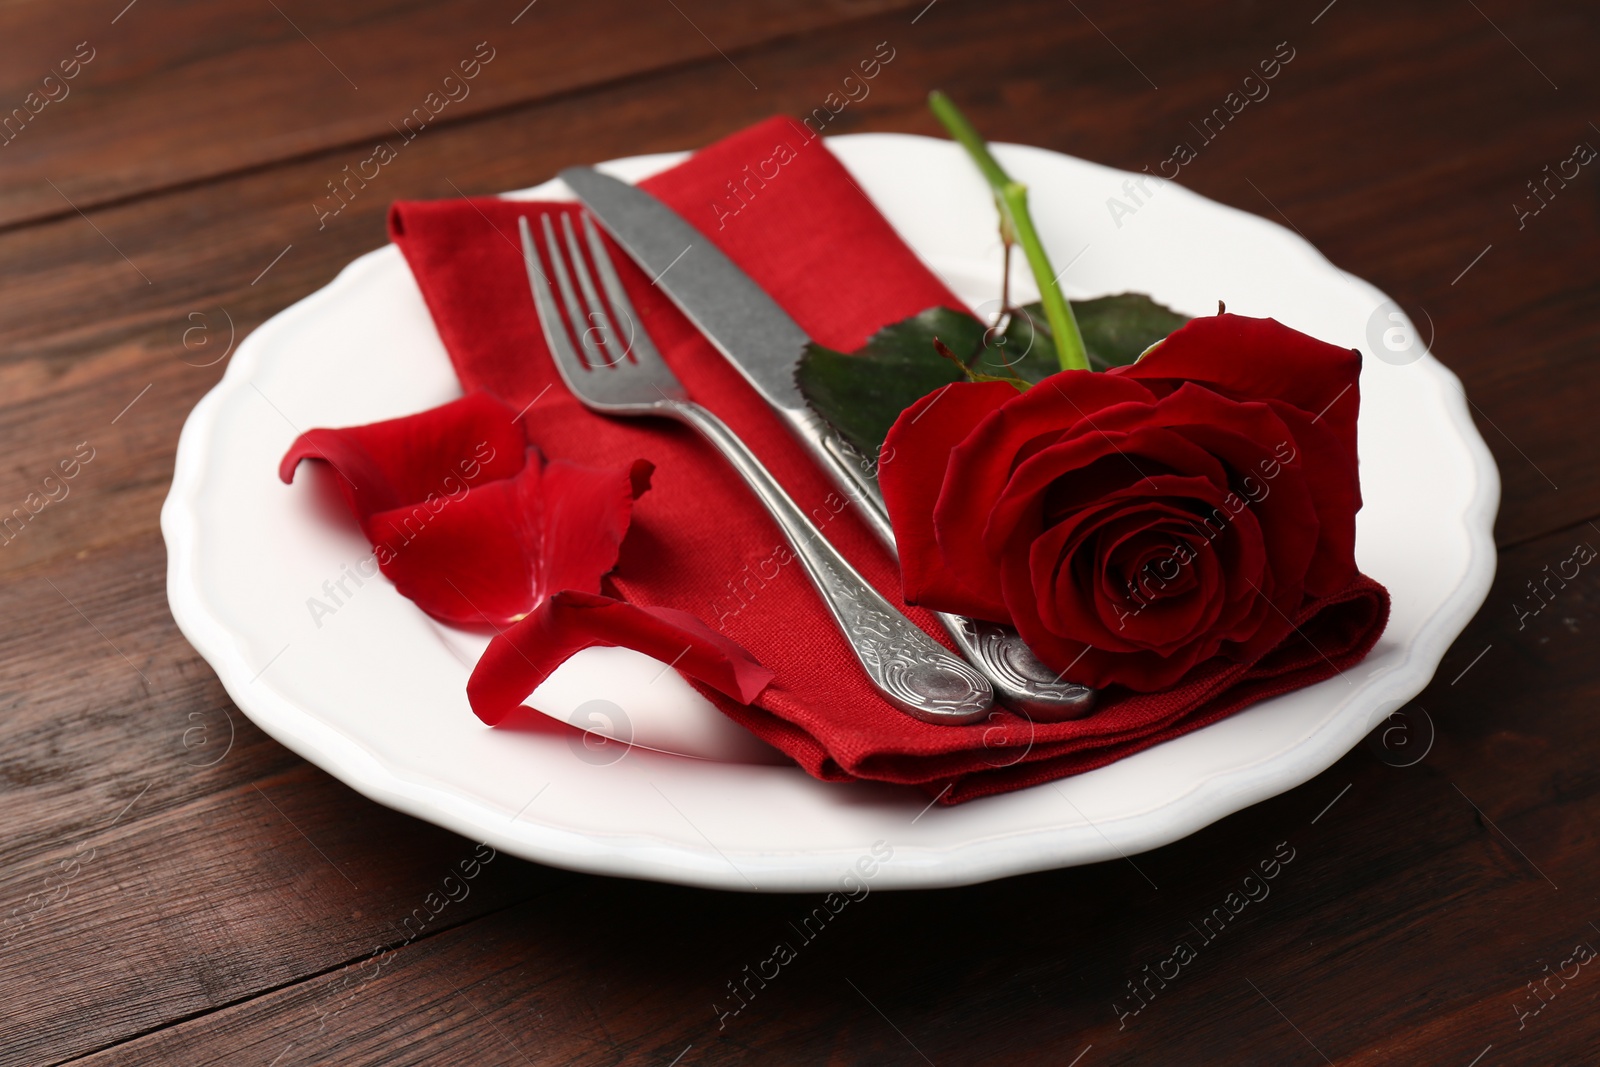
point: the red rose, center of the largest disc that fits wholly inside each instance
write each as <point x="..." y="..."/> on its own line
<point x="1134" y="523"/>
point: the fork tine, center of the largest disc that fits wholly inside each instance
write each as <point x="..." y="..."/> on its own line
<point x="596" y="320"/>
<point x="632" y="387"/>
<point x="544" y="301"/>
<point x="638" y="341"/>
<point x="569" y="296"/>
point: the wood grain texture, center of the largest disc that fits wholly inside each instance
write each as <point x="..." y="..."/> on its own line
<point x="245" y="910"/>
<point x="176" y="91"/>
<point x="163" y="857"/>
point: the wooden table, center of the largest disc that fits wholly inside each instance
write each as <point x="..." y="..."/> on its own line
<point x="170" y="900"/>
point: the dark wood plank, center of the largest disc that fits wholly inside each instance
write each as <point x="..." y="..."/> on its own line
<point x="1419" y="896"/>
<point x="174" y="91"/>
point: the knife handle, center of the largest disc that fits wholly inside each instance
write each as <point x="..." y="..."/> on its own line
<point x="858" y="477"/>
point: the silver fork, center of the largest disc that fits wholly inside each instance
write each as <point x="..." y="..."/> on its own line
<point x="911" y="670"/>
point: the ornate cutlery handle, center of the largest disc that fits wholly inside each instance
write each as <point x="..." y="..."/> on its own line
<point x="1020" y="681"/>
<point x="911" y="670"/>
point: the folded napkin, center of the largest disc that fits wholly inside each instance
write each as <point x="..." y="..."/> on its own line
<point x="781" y="206"/>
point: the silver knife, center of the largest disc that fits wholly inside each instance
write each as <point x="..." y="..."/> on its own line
<point x="765" y="344"/>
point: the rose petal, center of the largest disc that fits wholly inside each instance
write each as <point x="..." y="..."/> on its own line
<point x="918" y="450"/>
<point x="1331" y="474"/>
<point x="389" y="464"/>
<point x="1258" y="359"/>
<point x="518" y="660"/>
<point x="495" y="552"/>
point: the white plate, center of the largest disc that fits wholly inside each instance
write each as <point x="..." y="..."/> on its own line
<point x="374" y="693"/>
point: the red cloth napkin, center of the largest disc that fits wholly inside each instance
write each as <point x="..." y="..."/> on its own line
<point x="781" y="206"/>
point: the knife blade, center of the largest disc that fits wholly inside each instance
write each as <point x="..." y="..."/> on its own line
<point x="761" y="339"/>
<point x="734" y="313"/>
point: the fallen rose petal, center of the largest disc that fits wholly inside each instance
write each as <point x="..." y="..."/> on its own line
<point x="466" y="518"/>
<point x="520" y="658"/>
<point x="498" y="550"/>
<point x="389" y="464"/>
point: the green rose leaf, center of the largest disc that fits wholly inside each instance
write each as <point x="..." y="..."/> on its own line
<point x="862" y="393"/>
<point x="1117" y="329"/>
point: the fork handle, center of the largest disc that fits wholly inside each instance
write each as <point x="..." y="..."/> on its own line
<point x="1021" y="682"/>
<point x="912" y="670"/>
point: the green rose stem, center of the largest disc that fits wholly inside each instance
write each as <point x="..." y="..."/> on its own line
<point x="1016" y="226"/>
